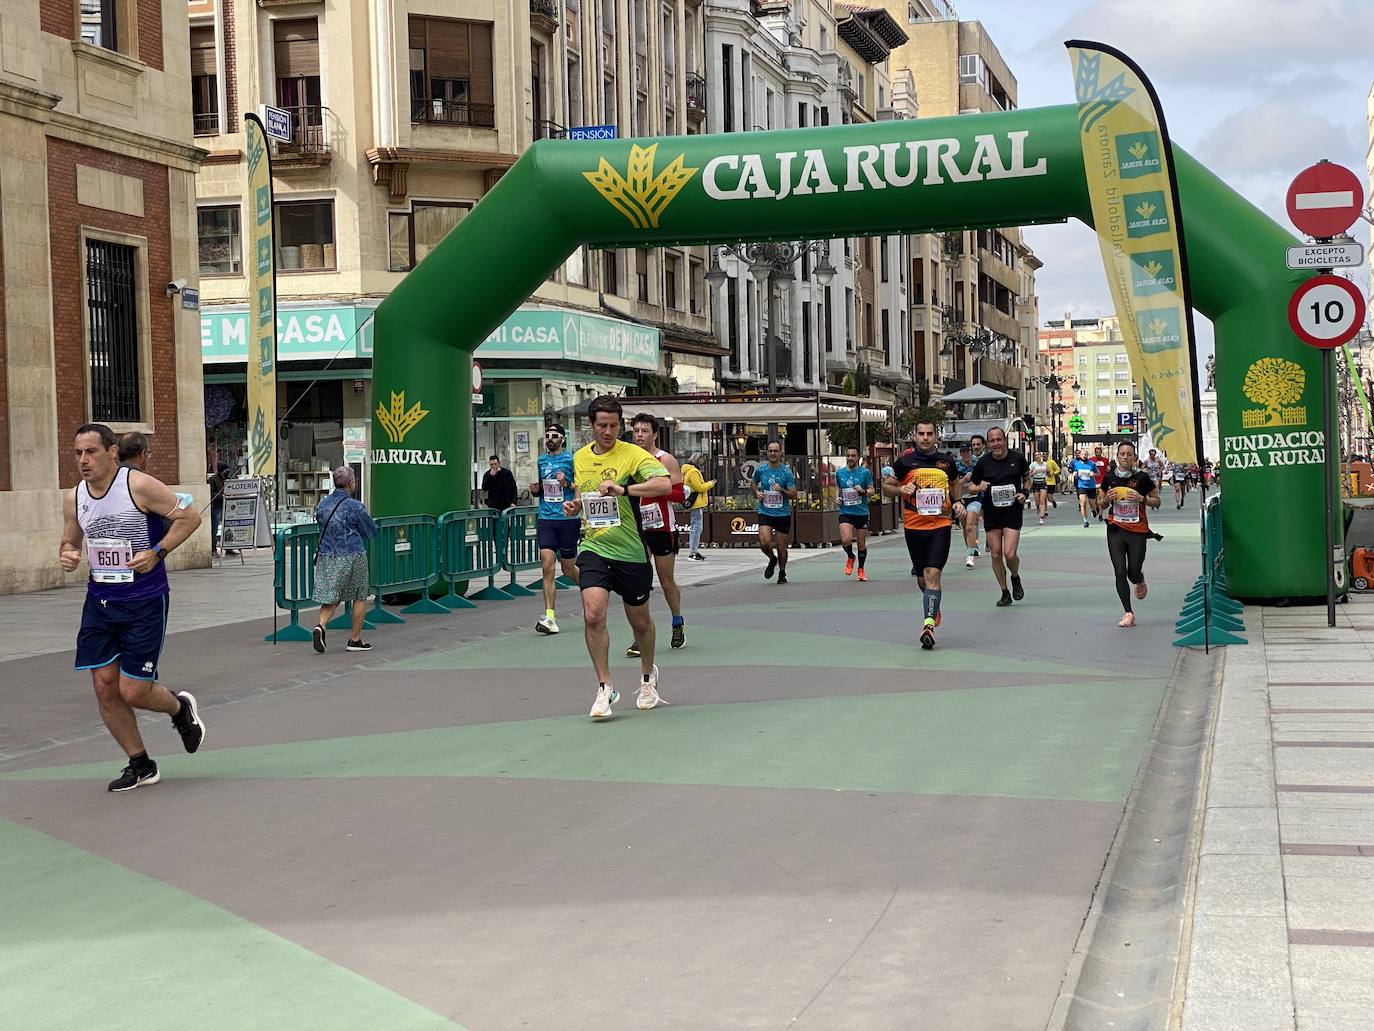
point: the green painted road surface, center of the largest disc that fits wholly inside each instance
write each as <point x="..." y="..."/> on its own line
<point x="827" y="827"/>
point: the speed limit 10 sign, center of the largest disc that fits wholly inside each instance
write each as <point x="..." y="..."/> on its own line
<point x="1326" y="311"/>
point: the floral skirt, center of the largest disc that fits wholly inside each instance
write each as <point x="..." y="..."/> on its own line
<point x="340" y="579"/>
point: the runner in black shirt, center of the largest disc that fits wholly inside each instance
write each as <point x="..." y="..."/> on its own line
<point x="1003" y="478"/>
<point x="1125" y="494"/>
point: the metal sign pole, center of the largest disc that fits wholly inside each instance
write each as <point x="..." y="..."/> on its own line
<point x="1332" y="458"/>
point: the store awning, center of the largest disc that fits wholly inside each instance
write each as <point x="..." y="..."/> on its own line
<point x="975" y="394"/>
<point x="755" y="411"/>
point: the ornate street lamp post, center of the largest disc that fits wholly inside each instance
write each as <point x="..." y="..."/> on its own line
<point x="770" y="263"/>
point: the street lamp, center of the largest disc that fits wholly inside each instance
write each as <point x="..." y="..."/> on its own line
<point x="770" y="263"/>
<point x="984" y="343"/>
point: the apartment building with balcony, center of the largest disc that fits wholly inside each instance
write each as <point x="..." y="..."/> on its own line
<point x="403" y="116"/>
<point x="970" y="316"/>
<point x="796" y="65"/>
<point x="97" y="212"/>
<point x="1091" y="357"/>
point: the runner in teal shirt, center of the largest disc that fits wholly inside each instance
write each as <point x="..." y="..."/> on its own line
<point x="855" y="482"/>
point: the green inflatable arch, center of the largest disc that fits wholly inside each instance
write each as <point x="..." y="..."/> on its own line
<point x="923" y="175"/>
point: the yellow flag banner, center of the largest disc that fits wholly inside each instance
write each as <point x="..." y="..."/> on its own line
<point x="1134" y="196"/>
<point x="262" y="307"/>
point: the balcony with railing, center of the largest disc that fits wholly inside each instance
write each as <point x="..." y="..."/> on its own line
<point x="309" y="145"/>
<point x="544" y="129"/>
<point x="544" y="14"/>
<point x="696" y="97"/>
<point x="434" y="111"/>
<point x="205" y="123"/>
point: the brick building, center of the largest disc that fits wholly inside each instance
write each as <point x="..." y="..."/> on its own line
<point x="97" y="222"/>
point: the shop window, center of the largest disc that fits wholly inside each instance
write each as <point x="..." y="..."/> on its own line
<point x="296" y="49"/>
<point x="204" y="82"/>
<point x="672" y="281"/>
<point x="305" y="236"/>
<point x="112" y="331"/>
<point x="412" y="234"/>
<point x="220" y="240"/>
<point x="451" y="76"/>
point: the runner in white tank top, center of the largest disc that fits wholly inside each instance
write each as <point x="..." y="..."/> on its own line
<point x="118" y="514"/>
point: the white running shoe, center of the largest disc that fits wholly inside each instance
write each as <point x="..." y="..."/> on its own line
<point x="547" y="625"/>
<point x="606" y="696"/>
<point x="648" y="690"/>
<point x="969" y="562"/>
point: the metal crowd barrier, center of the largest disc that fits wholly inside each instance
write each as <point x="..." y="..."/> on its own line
<point x="293" y="577"/>
<point x="1210" y="616"/>
<point x="404" y="556"/>
<point x="413" y="553"/>
<point x="469" y="549"/>
<point x="522" y="547"/>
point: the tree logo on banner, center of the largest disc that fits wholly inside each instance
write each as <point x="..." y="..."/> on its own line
<point x="398" y="420"/>
<point x="1277" y="384"/>
<point x="640" y="195"/>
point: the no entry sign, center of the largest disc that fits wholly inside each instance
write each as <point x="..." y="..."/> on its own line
<point x="1325" y="200"/>
<point x="1326" y="311"/>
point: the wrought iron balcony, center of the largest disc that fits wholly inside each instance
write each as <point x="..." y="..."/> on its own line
<point x="547" y="130"/>
<point x="696" y="96"/>
<point x="452" y="112"/>
<point x="309" y="143"/>
<point x="205" y="123"/>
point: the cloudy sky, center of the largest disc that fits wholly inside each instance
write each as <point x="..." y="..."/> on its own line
<point x="1255" y="89"/>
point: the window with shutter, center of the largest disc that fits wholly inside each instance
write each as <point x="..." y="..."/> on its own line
<point x="296" y="50"/>
<point x="451" y="76"/>
<point x="204" y="82"/>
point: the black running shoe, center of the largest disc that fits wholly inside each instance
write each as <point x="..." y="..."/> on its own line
<point x="188" y="723"/>
<point x="632" y="652"/>
<point x="782" y="578"/>
<point x="928" y="636"/>
<point x="1005" y="600"/>
<point x="136" y="777"/>
<point x="359" y="646"/>
<point x="679" y="635"/>
<point x="317" y="637"/>
<point x="1018" y="592"/>
<point x="772" y="568"/>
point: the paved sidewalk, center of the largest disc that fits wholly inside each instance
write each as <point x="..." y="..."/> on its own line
<point x="1283" y="926"/>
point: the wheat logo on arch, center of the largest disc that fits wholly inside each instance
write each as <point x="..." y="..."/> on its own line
<point x="640" y="195"/>
<point x="1277" y="384"/>
<point x="398" y="420"/>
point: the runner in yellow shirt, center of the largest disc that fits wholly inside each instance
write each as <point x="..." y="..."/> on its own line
<point x="612" y="477"/>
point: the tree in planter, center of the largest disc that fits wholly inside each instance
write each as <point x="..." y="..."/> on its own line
<point x="652" y="384"/>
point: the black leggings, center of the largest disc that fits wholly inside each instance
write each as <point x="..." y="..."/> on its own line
<point x="1127" y="550"/>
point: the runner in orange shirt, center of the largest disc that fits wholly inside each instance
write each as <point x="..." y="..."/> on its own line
<point x="927" y="481"/>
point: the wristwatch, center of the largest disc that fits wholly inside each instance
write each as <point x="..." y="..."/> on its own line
<point x="159" y="551"/>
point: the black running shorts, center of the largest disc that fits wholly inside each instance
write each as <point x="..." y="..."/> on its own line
<point x="1008" y="518"/>
<point x="660" y="542"/>
<point x="633" y="581"/>
<point x="929" y="549"/>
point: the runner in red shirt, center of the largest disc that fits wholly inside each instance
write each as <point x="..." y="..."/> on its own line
<point x="1102" y="465"/>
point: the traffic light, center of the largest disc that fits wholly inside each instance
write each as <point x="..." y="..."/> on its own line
<point x="1029" y="420"/>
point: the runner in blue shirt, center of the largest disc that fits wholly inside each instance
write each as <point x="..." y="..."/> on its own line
<point x="1085" y="478"/>
<point x="855" y="482"/>
<point x="775" y="485"/>
<point x="558" y="533"/>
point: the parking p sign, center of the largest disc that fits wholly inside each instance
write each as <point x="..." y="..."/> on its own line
<point x="1125" y="421"/>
